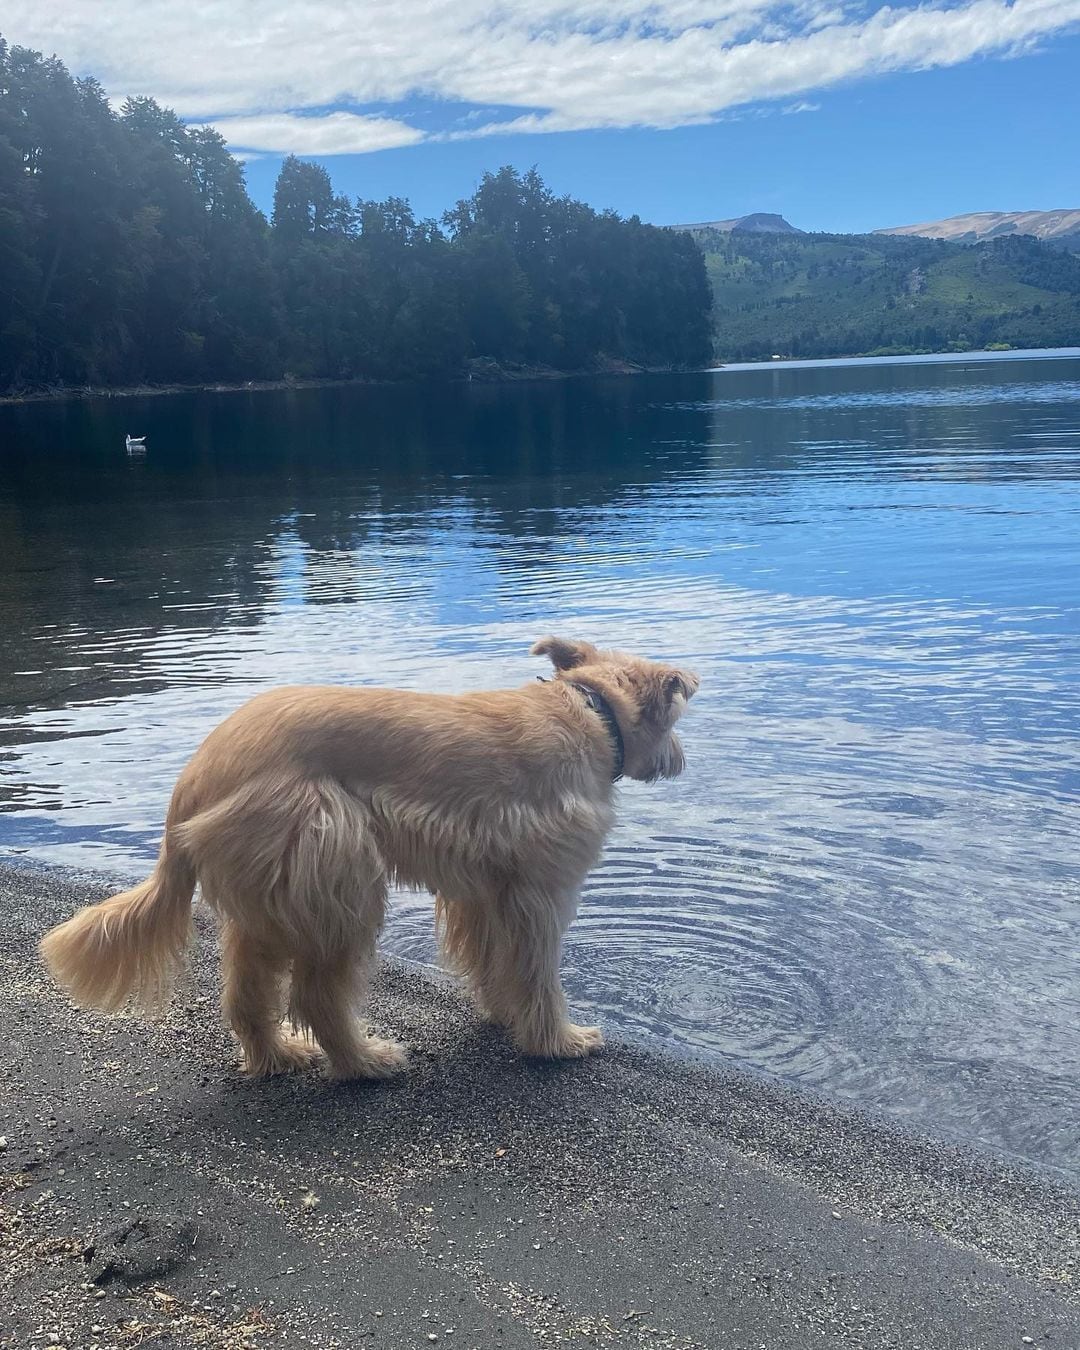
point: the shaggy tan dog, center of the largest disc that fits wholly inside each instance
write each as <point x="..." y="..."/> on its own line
<point x="298" y="810"/>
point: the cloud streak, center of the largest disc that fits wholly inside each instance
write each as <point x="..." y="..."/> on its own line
<point x="335" y="133"/>
<point x="264" y="72"/>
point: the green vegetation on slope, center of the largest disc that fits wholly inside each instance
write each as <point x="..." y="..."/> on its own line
<point x="130" y="252"/>
<point x="817" y="295"/>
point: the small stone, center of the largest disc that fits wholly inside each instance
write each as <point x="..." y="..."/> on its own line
<point x="1027" y="1340"/>
<point x="836" y="1213"/>
<point x="3" y="1142"/>
<point x="433" y="1335"/>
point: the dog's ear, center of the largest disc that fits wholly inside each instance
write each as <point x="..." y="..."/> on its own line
<point x="564" y="652"/>
<point x="678" y="683"/>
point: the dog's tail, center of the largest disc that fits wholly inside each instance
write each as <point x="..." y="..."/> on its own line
<point x="130" y="946"/>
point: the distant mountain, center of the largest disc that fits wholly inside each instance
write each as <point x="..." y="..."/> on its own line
<point x="760" y="222"/>
<point x="807" y="295"/>
<point x="1054" y="227"/>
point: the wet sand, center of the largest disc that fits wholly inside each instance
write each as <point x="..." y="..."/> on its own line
<point x="149" y="1194"/>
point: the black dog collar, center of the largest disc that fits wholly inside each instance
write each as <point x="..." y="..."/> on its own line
<point x="599" y="704"/>
<point x="602" y="709"/>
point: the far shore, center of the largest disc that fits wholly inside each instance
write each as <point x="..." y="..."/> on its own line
<point x="483" y="371"/>
<point x="80" y="393"/>
<point x="149" y="1192"/>
<point x="480" y="372"/>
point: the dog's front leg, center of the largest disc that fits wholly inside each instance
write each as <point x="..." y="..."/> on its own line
<point x="530" y="989"/>
<point x="472" y="943"/>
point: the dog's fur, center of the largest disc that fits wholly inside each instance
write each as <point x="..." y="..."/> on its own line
<point x="300" y="808"/>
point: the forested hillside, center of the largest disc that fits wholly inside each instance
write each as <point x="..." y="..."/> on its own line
<point x="130" y="252"/>
<point x="843" y="295"/>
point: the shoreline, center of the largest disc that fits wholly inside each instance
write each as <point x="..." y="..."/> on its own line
<point x="979" y="354"/>
<point x="479" y="372"/>
<point x="492" y="373"/>
<point x="147" y="1190"/>
<point x="483" y="371"/>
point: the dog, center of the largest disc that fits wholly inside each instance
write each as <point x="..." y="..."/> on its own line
<point x="298" y="811"/>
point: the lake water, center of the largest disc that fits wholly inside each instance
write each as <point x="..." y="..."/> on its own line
<point x="866" y="882"/>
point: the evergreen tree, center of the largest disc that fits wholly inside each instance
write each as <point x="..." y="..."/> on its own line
<point x="20" y="275"/>
<point x="130" y="251"/>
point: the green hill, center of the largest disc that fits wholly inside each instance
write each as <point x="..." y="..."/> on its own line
<point x="807" y="295"/>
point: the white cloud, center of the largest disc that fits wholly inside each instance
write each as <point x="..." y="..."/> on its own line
<point x="253" y="66"/>
<point x="336" y="133"/>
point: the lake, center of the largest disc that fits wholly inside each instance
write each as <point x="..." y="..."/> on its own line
<point x="867" y="880"/>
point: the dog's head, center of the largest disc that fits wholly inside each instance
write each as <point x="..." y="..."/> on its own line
<point x="647" y="698"/>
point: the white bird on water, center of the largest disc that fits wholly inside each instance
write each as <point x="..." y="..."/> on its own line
<point x="133" y="443"/>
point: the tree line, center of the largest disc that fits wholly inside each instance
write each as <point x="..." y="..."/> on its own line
<point x="131" y="252"/>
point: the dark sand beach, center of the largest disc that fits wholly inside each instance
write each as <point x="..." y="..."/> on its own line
<point x="152" y="1195"/>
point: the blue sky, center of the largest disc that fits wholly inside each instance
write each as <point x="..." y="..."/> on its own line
<point x="841" y="116"/>
<point x="990" y="135"/>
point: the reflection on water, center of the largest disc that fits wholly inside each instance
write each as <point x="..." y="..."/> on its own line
<point x="867" y="879"/>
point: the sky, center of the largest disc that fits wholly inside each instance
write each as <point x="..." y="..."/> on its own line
<point x="839" y="116"/>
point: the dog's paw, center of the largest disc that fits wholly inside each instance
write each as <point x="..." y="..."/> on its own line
<point x="570" y="1042"/>
<point x="297" y="1052"/>
<point x="578" y="1041"/>
<point x="387" y="1057"/>
<point x="378" y="1059"/>
<point x="290" y="1054"/>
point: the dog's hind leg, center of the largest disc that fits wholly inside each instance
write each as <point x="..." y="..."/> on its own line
<point x="326" y="896"/>
<point x="528" y="976"/>
<point x="327" y="994"/>
<point x="252" y="1000"/>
